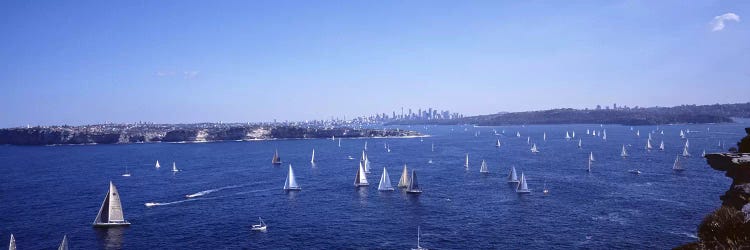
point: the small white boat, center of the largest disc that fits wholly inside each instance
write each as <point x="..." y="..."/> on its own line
<point x="466" y="165"/>
<point x="522" y="187"/>
<point x="413" y="187"/>
<point x="385" y="182"/>
<point x="648" y="144"/>
<point x="174" y="167"/>
<point x="545" y="190"/>
<point x="591" y="156"/>
<point x="497" y="144"/>
<point x="624" y="153"/>
<point x="12" y="245"/>
<point x="589" y="168"/>
<point x="110" y="214"/>
<point x="580" y="143"/>
<point x="339" y="142"/>
<point x="677" y="166"/>
<point x="261" y="226"/>
<point x="518" y="134"/>
<point x="544" y="136"/>
<point x="361" y="178"/>
<point x="634" y="171"/>
<point x="567" y="135"/>
<point x="512" y="176"/>
<point x="704" y="153"/>
<point x="127" y="173"/>
<point x="350" y="157"/>
<point x="483" y="168"/>
<point x="291" y="182"/>
<point x="276" y="160"/>
<point x="403" y="182"/>
<point x="312" y="159"/>
<point x="157" y="164"/>
<point x="430" y="161"/>
<point x="534" y="149"/>
<point x="63" y="244"/>
<point x="685" y="152"/>
<point x="661" y="146"/>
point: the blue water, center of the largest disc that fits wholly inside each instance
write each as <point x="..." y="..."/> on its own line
<point x="49" y="191"/>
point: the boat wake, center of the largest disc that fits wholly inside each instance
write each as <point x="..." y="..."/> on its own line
<point x="205" y="192"/>
<point x="153" y="204"/>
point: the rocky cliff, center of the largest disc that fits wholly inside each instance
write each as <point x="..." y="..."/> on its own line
<point x="728" y="227"/>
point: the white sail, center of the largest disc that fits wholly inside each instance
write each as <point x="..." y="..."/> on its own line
<point x="604" y="136"/>
<point x="365" y="161"/>
<point x="677" y="166"/>
<point x="624" y="152"/>
<point x="433" y="147"/>
<point x="588" y="131"/>
<point x="466" y="165"/>
<point x="648" y="144"/>
<point x="589" y="169"/>
<point x="110" y="213"/>
<point x="497" y="144"/>
<point x="544" y="136"/>
<point x="528" y="140"/>
<point x="579" y="142"/>
<point x="404" y="180"/>
<point x="682" y="134"/>
<point x="573" y="134"/>
<point x="522" y="185"/>
<point x="534" y="149"/>
<point x="591" y="156"/>
<point x="312" y="159"/>
<point x="704" y="153"/>
<point x="385" y="182"/>
<point x="483" y="168"/>
<point x="687" y="143"/>
<point x="661" y="146"/>
<point x="157" y="164"/>
<point x="365" y="145"/>
<point x="339" y="142"/>
<point x="291" y="181"/>
<point x="594" y="133"/>
<point x="512" y="176"/>
<point x="638" y="133"/>
<point x="12" y="245"/>
<point x="174" y="167"/>
<point x="518" y="134"/>
<point x="567" y="135"/>
<point x="361" y="178"/>
<point x="685" y="152"/>
<point x="64" y="243"/>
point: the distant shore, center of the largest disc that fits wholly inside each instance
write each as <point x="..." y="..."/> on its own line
<point x="182" y="133"/>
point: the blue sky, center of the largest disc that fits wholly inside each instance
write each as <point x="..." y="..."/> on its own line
<point x="77" y="62"/>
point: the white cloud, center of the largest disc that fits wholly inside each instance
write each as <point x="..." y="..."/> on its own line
<point x="190" y="74"/>
<point x="718" y="23"/>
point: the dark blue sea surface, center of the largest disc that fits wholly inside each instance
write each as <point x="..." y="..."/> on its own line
<point x="48" y="191"/>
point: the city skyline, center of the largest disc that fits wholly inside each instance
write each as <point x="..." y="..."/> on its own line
<point x="67" y="63"/>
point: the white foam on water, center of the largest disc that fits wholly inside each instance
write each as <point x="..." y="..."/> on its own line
<point x="205" y="192"/>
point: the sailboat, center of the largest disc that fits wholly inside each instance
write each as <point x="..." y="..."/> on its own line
<point x="312" y="159"/>
<point x="638" y="133"/>
<point x="339" y="142"/>
<point x="648" y="144"/>
<point x="466" y="165"/>
<point x="604" y="135"/>
<point x="512" y="176"/>
<point x="682" y="134"/>
<point x="276" y="159"/>
<point x="418" y="239"/>
<point x="624" y="152"/>
<point x="588" y="131"/>
<point x="365" y="161"/>
<point x="544" y="136"/>
<point x="594" y="133"/>
<point x="174" y="167"/>
<point x="589" y="168"/>
<point x="522" y="187"/>
<point x="12" y="245"/>
<point x="413" y="187"/>
<point x="404" y="181"/>
<point x="365" y="145"/>
<point x="677" y="166"/>
<point x="661" y="146"/>
<point x="433" y="147"/>
<point x="573" y="134"/>
<point x="687" y="143"/>
<point x="64" y="243"/>
<point x="291" y="182"/>
<point x="579" y="142"/>
<point x="333" y="137"/>
<point x="685" y="152"/>
<point x="704" y="153"/>
<point x="649" y="136"/>
<point x="591" y="156"/>
<point x="528" y="140"/>
<point x="261" y="226"/>
<point x="385" y="182"/>
<point x="545" y="190"/>
<point x="567" y="135"/>
<point x="157" y="164"/>
<point x="361" y="178"/>
<point x="518" y="134"/>
<point x="127" y="173"/>
<point x="534" y="149"/>
<point x="483" y="168"/>
<point x="110" y="214"/>
<point x="497" y="144"/>
<point x="388" y="149"/>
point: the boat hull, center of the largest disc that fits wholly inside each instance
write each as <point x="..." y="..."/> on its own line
<point x="112" y="224"/>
